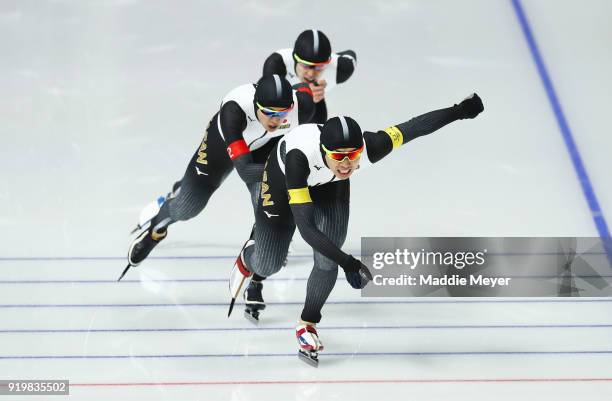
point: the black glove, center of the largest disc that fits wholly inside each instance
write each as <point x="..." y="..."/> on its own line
<point x="357" y="274"/>
<point x="470" y="107"/>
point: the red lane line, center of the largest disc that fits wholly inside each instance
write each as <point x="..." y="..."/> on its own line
<point x="350" y="381"/>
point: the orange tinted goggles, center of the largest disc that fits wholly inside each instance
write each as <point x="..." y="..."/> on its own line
<point x="340" y="156"/>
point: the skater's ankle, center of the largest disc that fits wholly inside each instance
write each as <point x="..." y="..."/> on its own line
<point x="257" y="278"/>
<point x="159" y="235"/>
<point x="305" y="323"/>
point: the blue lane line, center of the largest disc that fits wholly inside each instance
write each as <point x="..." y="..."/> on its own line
<point x="570" y="144"/>
<point x="293" y="355"/>
<point x="225" y="304"/>
<point x="326" y="328"/>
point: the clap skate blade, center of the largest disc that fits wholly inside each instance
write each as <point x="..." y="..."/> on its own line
<point x="310" y="357"/>
<point x="252" y="316"/>
<point x="251" y="312"/>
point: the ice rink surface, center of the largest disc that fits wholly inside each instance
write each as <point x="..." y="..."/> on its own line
<point x="103" y="103"/>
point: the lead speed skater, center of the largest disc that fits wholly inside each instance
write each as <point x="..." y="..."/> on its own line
<point x="306" y="184"/>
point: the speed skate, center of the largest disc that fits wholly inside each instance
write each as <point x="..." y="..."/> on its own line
<point x="253" y="301"/>
<point x="239" y="276"/>
<point x="309" y="343"/>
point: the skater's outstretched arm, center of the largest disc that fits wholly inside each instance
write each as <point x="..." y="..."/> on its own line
<point x="346" y="65"/>
<point x="380" y="144"/>
<point x="302" y="207"/>
<point x="232" y="123"/>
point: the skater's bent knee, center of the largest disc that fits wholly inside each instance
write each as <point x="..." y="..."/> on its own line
<point x="267" y="270"/>
<point x="181" y="211"/>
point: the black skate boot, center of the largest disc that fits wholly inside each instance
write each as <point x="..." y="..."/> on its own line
<point x="142" y="247"/>
<point x="254" y="301"/>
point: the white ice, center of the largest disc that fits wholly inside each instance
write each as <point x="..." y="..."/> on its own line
<point x="102" y="104"/>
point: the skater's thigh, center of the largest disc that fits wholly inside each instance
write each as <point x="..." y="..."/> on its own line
<point x="206" y="171"/>
<point x="272" y="239"/>
<point x="254" y="189"/>
<point x="273" y="202"/>
<point x="274" y="224"/>
<point x="210" y="165"/>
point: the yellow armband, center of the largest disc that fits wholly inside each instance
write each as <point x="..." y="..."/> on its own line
<point x="396" y="136"/>
<point x="300" y="195"/>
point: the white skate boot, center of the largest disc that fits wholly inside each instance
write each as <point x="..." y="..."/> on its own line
<point x="310" y="345"/>
<point x="151" y="210"/>
<point x="240" y="277"/>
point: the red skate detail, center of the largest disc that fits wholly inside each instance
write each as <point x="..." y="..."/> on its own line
<point x="242" y="268"/>
<point x="303" y="343"/>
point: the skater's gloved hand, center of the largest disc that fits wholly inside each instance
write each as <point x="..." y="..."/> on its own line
<point x="357" y="274"/>
<point x="318" y="90"/>
<point x="470" y="107"/>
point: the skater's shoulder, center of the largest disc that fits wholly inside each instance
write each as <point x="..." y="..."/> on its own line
<point x="305" y="132"/>
<point x="304" y="137"/>
<point x="241" y="98"/>
<point x="286" y="54"/>
<point x="304" y="144"/>
<point x="242" y="92"/>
